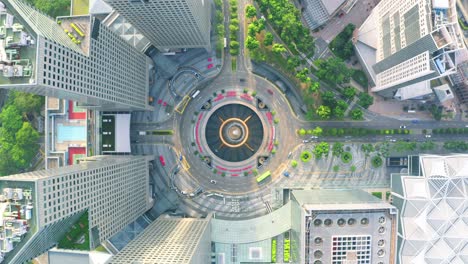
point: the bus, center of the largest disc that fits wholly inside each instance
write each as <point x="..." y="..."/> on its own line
<point x="263" y="176"/>
<point x="195" y="94"/>
<point x="225" y="42"/>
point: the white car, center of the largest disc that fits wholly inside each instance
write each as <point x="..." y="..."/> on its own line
<point x="305" y="141"/>
<point x="392" y="140"/>
<point x="428" y="136"/>
<point x="402" y="126"/>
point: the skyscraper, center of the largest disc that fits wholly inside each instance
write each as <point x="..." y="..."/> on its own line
<point x="170" y="240"/>
<point x="38" y="207"/>
<point x="171" y="23"/>
<point x="75" y="58"/>
<point x="432" y="199"/>
<point x="405" y="44"/>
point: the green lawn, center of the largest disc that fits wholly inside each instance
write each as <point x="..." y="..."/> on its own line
<point x="377" y="194"/>
<point x="80" y="7"/>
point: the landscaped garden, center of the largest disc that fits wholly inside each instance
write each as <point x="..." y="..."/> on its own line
<point x="78" y="235"/>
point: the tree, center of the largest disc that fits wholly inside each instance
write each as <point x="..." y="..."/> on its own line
<point x="302" y="132"/>
<point x="234" y="44"/>
<point x="252" y="30"/>
<point x="321" y="149"/>
<point x="302" y="74"/>
<point x="234" y="22"/>
<point x="365" y="100"/>
<point x="357" y="114"/>
<point x="293" y="61"/>
<point x="26" y="146"/>
<point x="11" y="122"/>
<point x="349" y="92"/>
<point x="328" y="98"/>
<point x="233" y="29"/>
<point x="341" y="45"/>
<point x="317" y="131"/>
<point x="26" y="103"/>
<point x="338" y="112"/>
<point x="251" y="43"/>
<point x="250" y="11"/>
<point x="278" y="48"/>
<point x="333" y="70"/>
<point x="269" y="40"/>
<point x="323" y="112"/>
<point x="367" y="148"/>
<point x="313" y="87"/>
<point x="337" y="149"/>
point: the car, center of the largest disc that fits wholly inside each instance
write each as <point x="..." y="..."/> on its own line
<point x="313" y="137"/>
<point x="286" y="174"/>
<point x="428" y="136"/>
<point x="415" y="121"/>
<point x="407" y="140"/>
<point x="270" y="91"/>
<point x="161" y="159"/>
<point x="402" y="126"/>
<point x="341" y="15"/>
<point x="213" y="181"/>
<point x="392" y="140"/>
<point x="305" y="141"/>
<point x="183" y="192"/>
<point x="289" y="155"/>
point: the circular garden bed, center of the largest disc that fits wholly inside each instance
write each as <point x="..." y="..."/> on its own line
<point x="306" y="156"/>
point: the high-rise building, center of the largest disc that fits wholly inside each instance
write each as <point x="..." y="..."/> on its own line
<point x="169" y="24"/>
<point x="406" y="43"/>
<point x="170" y="240"/>
<point x="318" y="12"/>
<point x="432" y="199"/>
<point x="74" y="58"/>
<point x="37" y="208"/>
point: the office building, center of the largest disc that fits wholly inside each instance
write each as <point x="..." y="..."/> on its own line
<point x="170" y="240"/>
<point x="406" y="43"/>
<point x="73" y="58"/>
<point x="315" y="226"/>
<point x="38" y="207"/>
<point x="432" y="200"/>
<point x="318" y="12"/>
<point x="171" y="24"/>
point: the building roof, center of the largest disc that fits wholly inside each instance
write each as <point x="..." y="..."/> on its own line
<point x="433" y="225"/>
<point x="99" y="7"/>
<point x="332" y="5"/>
<point x="166" y="240"/>
<point x="60" y="256"/>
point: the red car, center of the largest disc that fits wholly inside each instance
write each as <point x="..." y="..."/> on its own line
<point x="161" y="159"/>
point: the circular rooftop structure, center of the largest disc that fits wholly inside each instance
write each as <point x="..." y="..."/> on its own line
<point x="234" y="132"/>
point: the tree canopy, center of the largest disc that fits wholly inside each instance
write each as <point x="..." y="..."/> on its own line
<point x="333" y="70"/>
<point x="250" y="11"/>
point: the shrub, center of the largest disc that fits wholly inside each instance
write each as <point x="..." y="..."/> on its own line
<point x="336" y="168"/>
<point x="293" y="163"/>
<point x="306" y="156"/>
<point x="377" y="162"/>
<point x="346" y="157"/>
